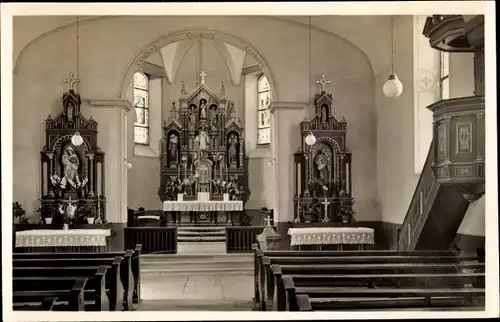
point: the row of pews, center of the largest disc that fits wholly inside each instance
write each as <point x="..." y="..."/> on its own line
<point x="107" y="281"/>
<point x="355" y="280"/>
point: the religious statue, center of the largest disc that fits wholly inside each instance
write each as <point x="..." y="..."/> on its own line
<point x="70" y="111"/>
<point x="202" y="141"/>
<point x="233" y="149"/>
<point x="324" y="113"/>
<point x="214" y="117"/>
<point x="71" y="164"/>
<point x="69" y="213"/>
<point x="192" y="120"/>
<point x="321" y="163"/>
<point x="203" y="109"/>
<point x="174" y="140"/>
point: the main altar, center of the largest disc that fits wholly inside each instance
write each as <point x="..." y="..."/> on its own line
<point x="203" y="171"/>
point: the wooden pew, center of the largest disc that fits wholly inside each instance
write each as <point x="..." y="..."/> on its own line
<point x="425" y="280"/>
<point x="74" y="296"/>
<point x="95" y="290"/>
<point x="305" y="303"/>
<point x="114" y="283"/>
<point x="267" y="279"/>
<point x="465" y="296"/>
<point x="135" y="263"/>
<point x="47" y="304"/>
<point x="258" y="254"/>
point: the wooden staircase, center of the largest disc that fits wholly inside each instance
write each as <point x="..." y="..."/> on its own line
<point x="207" y="234"/>
<point x="435" y="213"/>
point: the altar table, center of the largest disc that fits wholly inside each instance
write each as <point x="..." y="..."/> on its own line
<point x="60" y="240"/>
<point x="196" y="205"/>
<point x="331" y="235"/>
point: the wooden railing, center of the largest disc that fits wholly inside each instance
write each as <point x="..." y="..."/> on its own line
<point x="420" y="206"/>
<point x="153" y="239"/>
<point x="239" y="239"/>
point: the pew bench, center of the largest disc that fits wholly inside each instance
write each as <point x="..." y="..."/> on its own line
<point x="350" y="264"/>
<point x="117" y="277"/>
<point x="427" y="281"/>
<point x="95" y="298"/>
<point x="71" y="299"/>
<point x="135" y="263"/>
<point x="305" y="303"/>
<point x="47" y="304"/>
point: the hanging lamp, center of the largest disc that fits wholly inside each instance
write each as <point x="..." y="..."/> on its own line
<point x="77" y="139"/>
<point x="393" y="86"/>
<point x="310" y="138"/>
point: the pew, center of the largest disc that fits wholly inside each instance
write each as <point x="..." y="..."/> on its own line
<point x="266" y="280"/>
<point x="73" y="296"/>
<point x="306" y="304"/>
<point x="135" y="263"/>
<point x="114" y="283"/>
<point x="47" y="304"/>
<point x="95" y="292"/>
<point x="258" y="254"/>
<point x="341" y="297"/>
<point x="426" y="280"/>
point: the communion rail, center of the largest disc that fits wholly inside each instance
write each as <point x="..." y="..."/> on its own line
<point x="239" y="239"/>
<point x="153" y="239"/>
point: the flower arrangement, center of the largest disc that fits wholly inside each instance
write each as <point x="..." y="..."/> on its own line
<point x="19" y="214"/>
<point x="347" y="213"/>
<point x="172" y="188"/>
<point x="61" y="184"/>
<point x="235" y="190"/>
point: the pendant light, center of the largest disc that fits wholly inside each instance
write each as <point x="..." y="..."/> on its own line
<point x="310" y="138"/>
<point x="77" y="139"/>
<point x="393" y="86"/>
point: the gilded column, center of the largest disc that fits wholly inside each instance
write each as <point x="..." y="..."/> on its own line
<point x="91" y="175"/>
<point x="49" y="171"/>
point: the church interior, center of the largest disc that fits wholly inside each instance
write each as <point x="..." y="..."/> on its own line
<point x="183" y="163"/>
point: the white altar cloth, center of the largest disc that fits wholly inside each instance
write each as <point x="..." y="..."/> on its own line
<point x="196" y="205"/>
<point x="62" y="238"/>
<point x="331" y="235"/>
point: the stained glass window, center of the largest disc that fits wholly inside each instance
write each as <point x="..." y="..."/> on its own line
<point x="444" y="81"/>
<point x="141" y="105"/>
<point x="263" y="111"/>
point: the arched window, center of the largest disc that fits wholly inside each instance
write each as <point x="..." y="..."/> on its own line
<point x="444" y="77"/>
<point x="141" y="105"/>
<point x="263" y="112"/>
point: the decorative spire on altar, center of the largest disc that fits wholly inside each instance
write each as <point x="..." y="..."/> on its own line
<point x="202" y="75"/>
<point x="71" y="81"/>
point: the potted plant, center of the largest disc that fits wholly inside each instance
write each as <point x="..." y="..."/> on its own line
<point x="19" y="214"/>
<point x="45" y="215"/>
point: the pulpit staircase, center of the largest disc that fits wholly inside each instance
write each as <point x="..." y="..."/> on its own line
<point x="435" y="213"/>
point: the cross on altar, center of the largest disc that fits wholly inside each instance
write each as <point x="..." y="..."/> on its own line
<point x="202" y="74"/>
<point x="326" y="203"/>
<point x="323" y="82"/>
<point x="71" y="81"/>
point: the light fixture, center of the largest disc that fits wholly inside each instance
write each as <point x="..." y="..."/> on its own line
<point x="393" y="86"/>
<point x="77" y="139"/>
<point x="129" y="165"/>
<point x="310" y="139"/>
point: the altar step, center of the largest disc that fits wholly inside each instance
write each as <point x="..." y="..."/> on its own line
<point x="196" y="264"/>
<point x="201" y="234"/>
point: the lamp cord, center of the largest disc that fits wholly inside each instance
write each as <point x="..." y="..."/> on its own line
<point x="393" y="44"/>
<point x="77" y="50"/>
<point x="310" y="68"/>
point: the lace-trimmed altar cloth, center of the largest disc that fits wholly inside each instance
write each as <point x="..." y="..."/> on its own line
<point x="331" y="235"/>
<point x="195" y="205"/>
<point x="62" y="238"/>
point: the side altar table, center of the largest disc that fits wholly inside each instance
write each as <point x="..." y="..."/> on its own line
<point x="205" y="206"/>
<point x="331" y="235"/>
<point x="71" y="240"/>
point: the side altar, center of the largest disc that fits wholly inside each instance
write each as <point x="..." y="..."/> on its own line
<point x="202" y="158"/>
<point x="323" y="185"/>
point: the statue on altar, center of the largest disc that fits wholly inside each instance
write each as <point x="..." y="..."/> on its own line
<point x="69" y="113"/>
<point x="203" y="109"/>
<point x="71" y="164"/>
<point x="233" y="148"/>
<point x="174" y="141"/>
<point x="321" y="164"/>
<point x="202" y="141"/>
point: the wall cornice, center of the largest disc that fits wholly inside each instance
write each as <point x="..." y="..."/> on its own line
<point x="109" y="103"/>
<point x="281" y="105"/>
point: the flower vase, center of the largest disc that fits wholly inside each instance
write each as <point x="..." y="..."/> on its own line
<point x="225" y="197"/>
<point x="65" y="226"/>
<point x="48" y="220"/>
<point x="180" y="197"/>
<point x="90" y="220"/>
<point x="345" y="219"/>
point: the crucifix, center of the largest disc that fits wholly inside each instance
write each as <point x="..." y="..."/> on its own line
<point x="71" y="81"/>
<point x="202" y="74"/>
<point x="323" y="82"/>
<point x="326" y="203"/>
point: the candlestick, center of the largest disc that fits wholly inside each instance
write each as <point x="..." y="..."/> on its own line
<point x="227" y="173"/>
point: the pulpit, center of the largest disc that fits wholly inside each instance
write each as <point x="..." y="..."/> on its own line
<point x="323" y="185"/>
